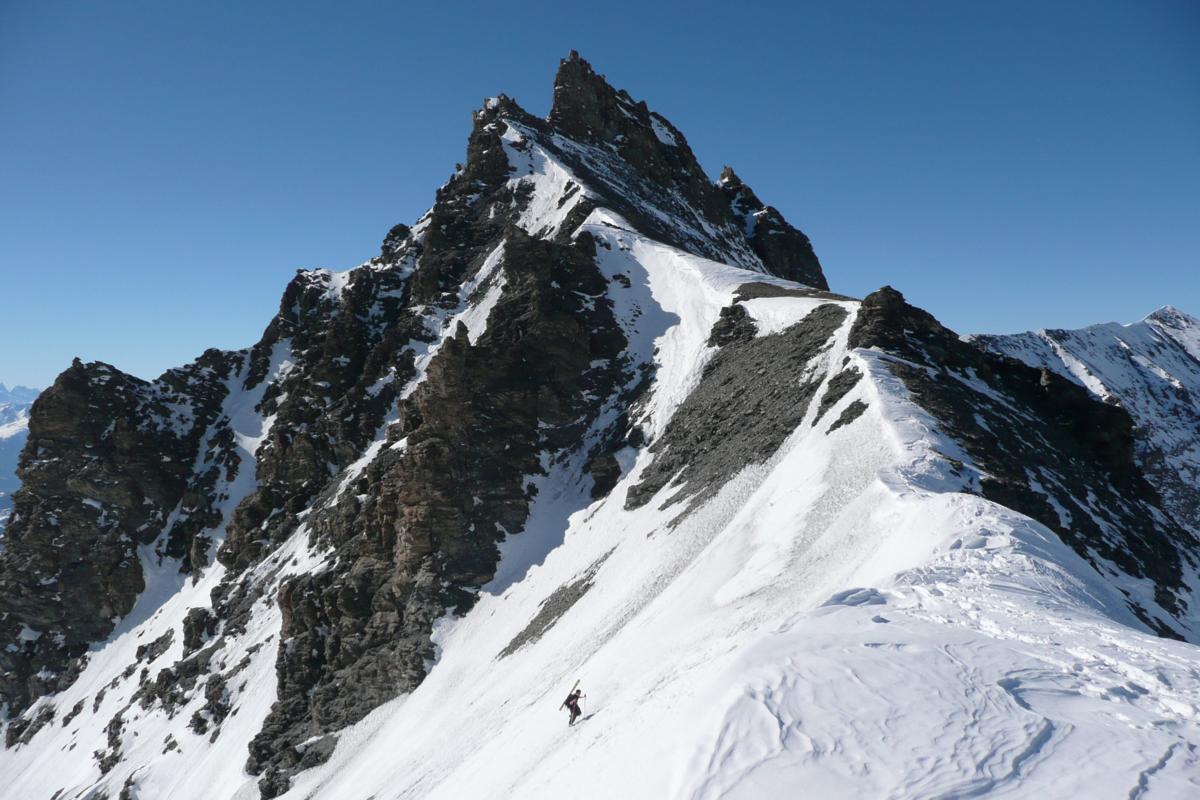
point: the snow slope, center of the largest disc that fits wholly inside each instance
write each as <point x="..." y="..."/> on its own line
<point x="841" y="621"/>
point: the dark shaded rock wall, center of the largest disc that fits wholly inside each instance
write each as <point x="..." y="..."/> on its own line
<point x="784" y="250"/>
<point x="109" y="458"/>
<point x="347" y="347"/>
<point x="419" y="533"/>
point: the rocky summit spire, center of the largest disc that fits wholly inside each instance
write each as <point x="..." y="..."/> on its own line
<point x="585" y="106"/>
<point x="735" y="188"/>
<point x="784" y="250"/>
<point x="589" y="110"/>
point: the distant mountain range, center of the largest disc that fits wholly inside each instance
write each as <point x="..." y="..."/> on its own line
<point x="14" y="428"/>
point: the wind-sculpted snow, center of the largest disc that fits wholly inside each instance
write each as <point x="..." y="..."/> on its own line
<point x="1002" y="667"/>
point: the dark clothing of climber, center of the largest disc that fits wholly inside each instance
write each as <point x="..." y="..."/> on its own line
<point x="572" y="703"/>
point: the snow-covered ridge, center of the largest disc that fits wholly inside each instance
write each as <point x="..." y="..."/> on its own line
<point x="1152" y="369"/>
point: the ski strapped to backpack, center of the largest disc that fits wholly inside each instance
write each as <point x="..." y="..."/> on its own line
<point x="573" y="688"/>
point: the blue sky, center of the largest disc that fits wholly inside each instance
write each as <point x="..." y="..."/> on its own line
<point x="165" y="167"/>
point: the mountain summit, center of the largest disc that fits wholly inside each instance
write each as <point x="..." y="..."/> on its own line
<point x="595" y="418"/>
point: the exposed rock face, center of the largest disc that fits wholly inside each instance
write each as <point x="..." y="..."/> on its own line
<point x="109" y="458"/>
<point x="850" y="413"/>
<point x="1042" y="445"/>
<point x="342" y="337"/>
<point x="784" y="250"/>
<point x="754" y="393"/>
<point x="837" y="388"/>
<point x="416" y="533"/>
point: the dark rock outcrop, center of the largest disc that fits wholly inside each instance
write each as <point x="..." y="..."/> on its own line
<point x="560" y="601"/>
<point x="733" y="325"/>
<point x="1043" y="446"/>
<point x="851" y="412"/>
<point x="424" y="537"/>
<point x="109" y="458"/>
<point x="346" y="345"/>
<point x="836" y="389"/>
<point x="751" y="397"/>
<point x="198" y="626"/>
<point x="784" y="250"/>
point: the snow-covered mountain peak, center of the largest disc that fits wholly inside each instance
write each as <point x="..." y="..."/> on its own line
<point x="600" y="148"/>
<point x="1169" y="314"/>
<point x="1180" y="326"/>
